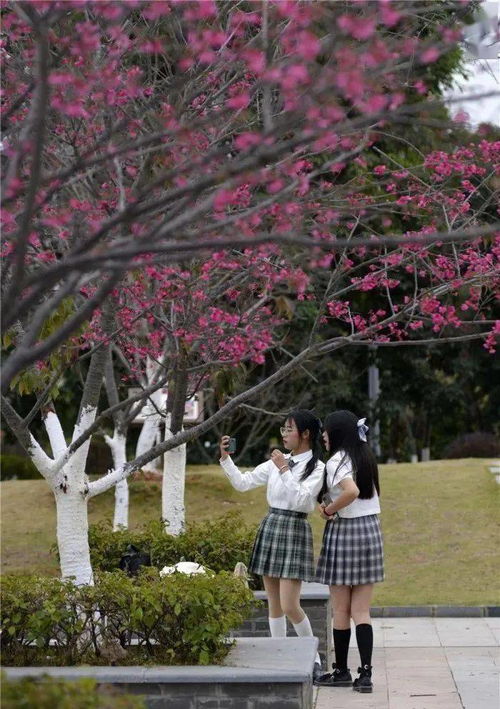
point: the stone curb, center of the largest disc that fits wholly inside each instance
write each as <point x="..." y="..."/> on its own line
<point x="250" y="660"/>
<point x="189" y="674"/>
<point x="435" y="611"/>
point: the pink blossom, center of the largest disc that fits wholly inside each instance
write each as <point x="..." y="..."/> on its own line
<point x="429" y="56"/>
<point x="238" y="101"/>
<point x="388" y="15"/>
<point x="374" y="103"/>
<point x="295" y="74"/>
<point x="223" y="199"/>
<point x="156" y="10"/>
<point x="275" y="186"/>
<point x="152" y="46"/>
<point x="198" y="9"/>
<point x="60" y="78"/>
<point x="358" y="27"/>
<point x="461" y="117"/>
<point x="307" y="45"/>
<point x="339" y="308"/>
<point x="255" y="60"/>
<point x="491" y="341"/>
<point x="420" y="87"/>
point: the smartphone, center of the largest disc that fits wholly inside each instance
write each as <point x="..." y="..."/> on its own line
<point x="231" y="446"/>
<point x="326" y="499"/>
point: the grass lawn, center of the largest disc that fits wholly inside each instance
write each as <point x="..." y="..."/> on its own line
<point x="440" y="522"/>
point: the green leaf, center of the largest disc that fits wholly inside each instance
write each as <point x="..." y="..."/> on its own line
<point x="204" y="658"/>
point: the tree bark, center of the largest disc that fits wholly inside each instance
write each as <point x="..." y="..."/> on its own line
<point x="118" y="447"/>
<point x="149" y="434"/>
<point x="174" y="476"/>
<point x="72" y="533"/>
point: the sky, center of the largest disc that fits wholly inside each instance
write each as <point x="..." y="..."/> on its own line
<point x="482" y="43"/>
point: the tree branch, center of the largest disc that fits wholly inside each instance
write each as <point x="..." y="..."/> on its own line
<point x="35" y="130"/>
<point x="23" y="356"/>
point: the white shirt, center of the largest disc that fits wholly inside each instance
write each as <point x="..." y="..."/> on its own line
<point x="335" y="472"/>
<point x="284" y="490"/>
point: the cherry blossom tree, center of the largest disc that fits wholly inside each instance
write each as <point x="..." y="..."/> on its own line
<point x="138" y="131"/>
<point x="140" y="135"/>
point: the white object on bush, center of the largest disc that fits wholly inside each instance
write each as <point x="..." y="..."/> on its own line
<point x="183" y="567"/>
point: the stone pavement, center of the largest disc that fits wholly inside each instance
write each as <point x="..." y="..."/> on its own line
<point x="423" y="663"/>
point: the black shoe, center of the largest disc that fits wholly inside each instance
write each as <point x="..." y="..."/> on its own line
<point x="363" y="683"/>
<point x="337" y="678"/>
<point x="317" y="672"/>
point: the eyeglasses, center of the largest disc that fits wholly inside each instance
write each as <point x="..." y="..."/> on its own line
<point x="286" y="429"/>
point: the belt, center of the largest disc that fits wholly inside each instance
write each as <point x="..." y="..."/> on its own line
<point x="287" y="513"/>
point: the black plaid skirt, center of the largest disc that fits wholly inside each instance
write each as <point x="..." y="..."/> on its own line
<point x="352" y="552"/>
<point x="283" y="547"/>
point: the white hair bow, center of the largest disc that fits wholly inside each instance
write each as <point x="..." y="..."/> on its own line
<point x="362" y="429"/>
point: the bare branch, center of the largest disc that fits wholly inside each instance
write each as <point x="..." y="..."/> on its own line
<point x="23" y="356"/>
<point x="432" y="341"/>
<point x="35" y="130"/>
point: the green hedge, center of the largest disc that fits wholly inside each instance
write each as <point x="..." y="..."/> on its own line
<point x="178" y="619"/>
<point x="478" y="444"/>
<point x="15" y="467"/>
<point x="218" y="544"/>
<point x="50" y="693"/>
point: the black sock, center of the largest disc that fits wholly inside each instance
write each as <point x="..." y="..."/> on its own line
<point x="341" y="640"/>
<point x="364" y="638"/>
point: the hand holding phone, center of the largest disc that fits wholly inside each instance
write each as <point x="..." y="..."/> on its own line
<point x="227" y="446"/>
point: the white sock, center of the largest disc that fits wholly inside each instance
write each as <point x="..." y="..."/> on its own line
<point x="304" y="630"/>
<point x="277" y="626"/>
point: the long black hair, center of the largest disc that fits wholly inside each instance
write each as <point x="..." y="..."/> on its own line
<point x="306" y="421"/>
<point x="343" y="435"/>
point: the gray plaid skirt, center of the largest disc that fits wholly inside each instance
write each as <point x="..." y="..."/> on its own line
<point x="283" y="547"/>
<point x="352" y="552"/>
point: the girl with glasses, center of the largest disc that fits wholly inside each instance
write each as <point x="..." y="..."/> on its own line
<point x="351" y="558"/>
<point x="283" y="549"/>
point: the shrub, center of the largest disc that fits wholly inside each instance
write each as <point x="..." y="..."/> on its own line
<point x="473" y="445"/>
<point x="218" y="544"/>
<point x="15" y="467"/>
<point x="178" y="619"/>
<point x="50" y="693"/>
<point x="36" y="611"/>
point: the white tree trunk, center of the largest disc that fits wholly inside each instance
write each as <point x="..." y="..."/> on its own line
<point x="55" y="433"/>
<point x="72" y="510"/>
<point x="69" y="486"/>
<point x="172" y="494"/>
<point x="120" y="519"/>
<point x="72" y="533"/>
<point x="118" y="447"/>
<point x="150" y="432"/>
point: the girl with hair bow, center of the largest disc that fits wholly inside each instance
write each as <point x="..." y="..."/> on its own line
<point x="351" y="558"/>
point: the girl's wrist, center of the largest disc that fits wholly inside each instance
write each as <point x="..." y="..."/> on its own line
<point x="283" y="468"/>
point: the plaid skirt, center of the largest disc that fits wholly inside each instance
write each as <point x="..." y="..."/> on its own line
<point x="283" y="547"/>
<point x="352" y="552"/>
